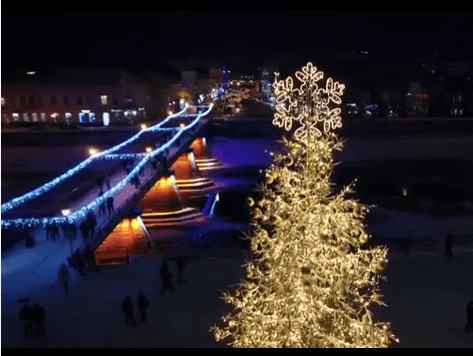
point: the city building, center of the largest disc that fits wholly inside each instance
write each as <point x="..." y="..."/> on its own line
<point x="417" y="100"/>
<point x="76" y="96"/>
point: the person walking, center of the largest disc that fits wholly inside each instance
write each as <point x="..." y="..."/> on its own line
<point x="84" y="230"/>
<point x="102" y="207"/>
<point x="110" y="207"/>
<point x="166" y="278"/>
<point x="125" y="167"/>
<point x="80" y="263"/>
<point x="154" y="164"/>
<point x="449" y="245"/>
<point x="469" y="314"/>
<point x="107" y="181"/>
<point x="100" y="181"/>
<point x="127" y="308"/>
<point x="91" y="222"/>
<point x="64" y="277"/>
<point x="26" y="316"/>
<point x="90" y="259"/>
<point x="143" y="304"/>
<point x="49" y="232"/>
<point x="73" y="229"/>
<point x="39" y="313"/>
<point x="180" y="270"/>
<point x="54" y="231"/>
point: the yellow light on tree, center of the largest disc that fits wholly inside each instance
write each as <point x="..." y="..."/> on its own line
<point x="313" y="279"/>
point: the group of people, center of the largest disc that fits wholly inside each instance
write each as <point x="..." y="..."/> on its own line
<point x="52" y="232"/>
<point x="142" y="302"/>
<point x="104" y="180"/>
<point x="128" y="165"/>
<point x="32" y="315"/>
<point x="84" y="260"/>
<point x="127" y="308"/>
<point x="79" y="261"/>
<point x="107" y="206"/>
<point x="406" y="244"/>
<point x="166" y="275"/>
<point x="87" y="227"/>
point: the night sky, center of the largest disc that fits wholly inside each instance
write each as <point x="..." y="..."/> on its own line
<point x="136" y="37"/>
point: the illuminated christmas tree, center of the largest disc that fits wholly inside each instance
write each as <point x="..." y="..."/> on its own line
<point x="313" y="279"/>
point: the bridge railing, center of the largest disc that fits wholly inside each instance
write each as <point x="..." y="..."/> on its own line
<point x="163" y="151"/>
<point x="14" y="203"/>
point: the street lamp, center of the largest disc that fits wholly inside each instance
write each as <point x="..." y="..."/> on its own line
<point x="93" y="151"/>
<point x="144" y="127"/>
<point x="66" y="212"/>
<point x="149" y="149"/>
<point x="182" y="125"/>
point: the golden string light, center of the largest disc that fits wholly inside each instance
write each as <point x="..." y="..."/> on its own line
<point x="313" y="279"/>
<point x="308" y="104"/>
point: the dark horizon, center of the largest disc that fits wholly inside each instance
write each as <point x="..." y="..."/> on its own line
<point x="137" y="38"/>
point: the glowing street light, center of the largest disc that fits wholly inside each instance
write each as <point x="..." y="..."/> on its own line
<point x="149" y="149"/>
<point x="144" y="127"/>
<point x="66" y="212"/>
<point x="404" y="192"/>
<point x="182" y="125"/>
<point x="93" y="151"/>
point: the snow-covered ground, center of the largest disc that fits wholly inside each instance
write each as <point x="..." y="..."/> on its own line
<point x="426" y="294"/>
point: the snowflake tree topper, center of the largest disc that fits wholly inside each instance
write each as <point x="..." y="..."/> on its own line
<point x="309" y="104"/>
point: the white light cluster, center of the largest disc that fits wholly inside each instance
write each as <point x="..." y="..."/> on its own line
<point x="80" y="214"/>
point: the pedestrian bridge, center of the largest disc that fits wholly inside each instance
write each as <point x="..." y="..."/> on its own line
<point x="134" y="167"/>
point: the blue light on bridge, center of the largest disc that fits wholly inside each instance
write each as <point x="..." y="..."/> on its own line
<point x="82" y="213"/>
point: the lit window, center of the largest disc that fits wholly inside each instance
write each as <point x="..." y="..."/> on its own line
<point x="35" y="117"/>
<point x="103" y="99"/>
<point x="5" y="118"/>
<point x="43" y="117"/>
<point x="3" y="101"/>
<point x="16" y="117"/>
<point x="68" y="117"/>
<point x="25" y="117"/>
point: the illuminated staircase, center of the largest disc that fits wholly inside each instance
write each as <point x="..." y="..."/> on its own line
<point x="188" y="177"/>
<point x="203" y="157"/>
<point x="163" y="206"/>
<point x="128" y="239"/>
